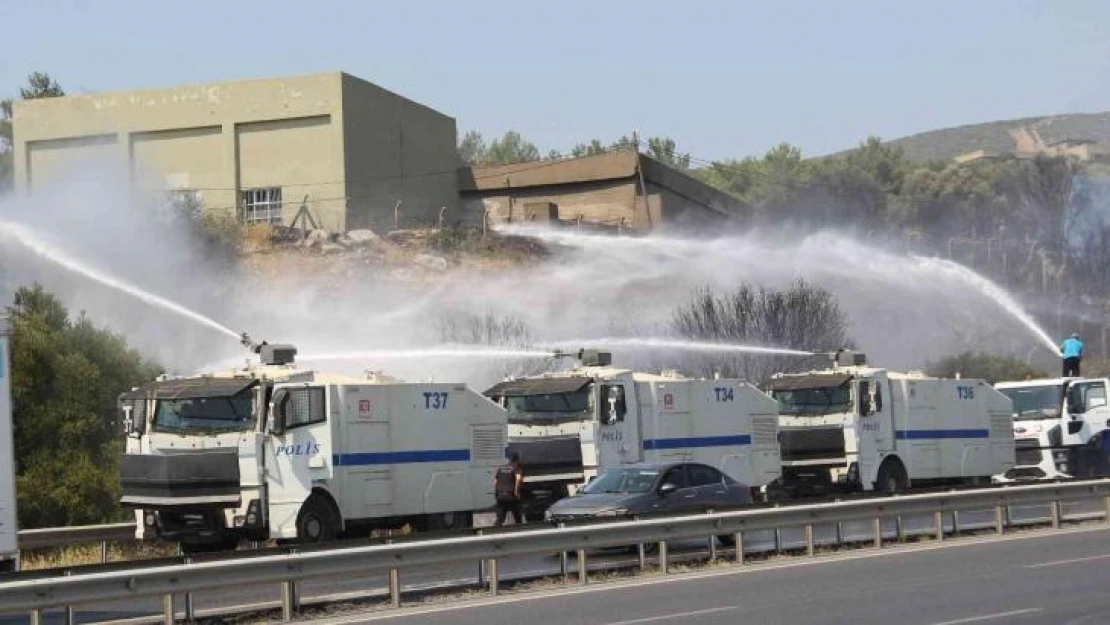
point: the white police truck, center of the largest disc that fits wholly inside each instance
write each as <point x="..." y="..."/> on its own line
<point x="855" y="427"/>
<point x="567" y="425"/>
<point x="1060" y="428"/>
<point x="277" y="452"/>
<point x="9" y="530"/>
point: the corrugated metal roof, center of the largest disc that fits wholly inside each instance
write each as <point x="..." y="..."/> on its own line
<point x="190" y="388"/>
<point x="813" y="380"/>
<point x="537" y="386"/>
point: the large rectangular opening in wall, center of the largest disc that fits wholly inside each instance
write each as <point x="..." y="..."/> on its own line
<point x="282" y="161"/>
<point x="52" y="159"/>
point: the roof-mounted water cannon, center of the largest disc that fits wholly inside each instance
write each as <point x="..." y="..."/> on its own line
<point x="587" y="357"/>
<point x="276" y="354"/>
<point x="848" y="358"/>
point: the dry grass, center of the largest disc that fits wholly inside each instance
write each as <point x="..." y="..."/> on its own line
<point x="77" y="555"/>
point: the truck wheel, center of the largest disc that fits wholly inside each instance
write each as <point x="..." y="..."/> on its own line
<point x="318" y="521"/>
<point x="892" y="478"/>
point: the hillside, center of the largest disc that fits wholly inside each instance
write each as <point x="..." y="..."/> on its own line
<point x="947" y="143"/>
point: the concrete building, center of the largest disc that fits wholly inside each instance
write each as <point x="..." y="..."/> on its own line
<point x="255" y="147"/>
<point x="623" y="189"/>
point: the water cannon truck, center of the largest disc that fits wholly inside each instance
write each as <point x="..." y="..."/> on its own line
<point x="9" y="531"/>
<point x="859" y="428"/>
<point x="569" y="424"/>
<point x="274" y="451"/>
<point x="1060" y="428"/>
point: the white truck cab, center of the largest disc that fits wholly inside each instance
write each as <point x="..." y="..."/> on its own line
<point x="9" y="530"/>
<point x="277" y="452"/>
<point x="1060" y="428"/>
<point x="568" y="425"/>
<point x="855" y="427"/>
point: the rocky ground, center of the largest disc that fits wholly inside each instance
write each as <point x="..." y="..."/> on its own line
<point x="403" y="255"/>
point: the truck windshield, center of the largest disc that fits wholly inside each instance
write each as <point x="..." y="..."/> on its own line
<point x="553" y="408"/>
<point x="814" y="401"/>
<point x="622" y="481"/>
<point x="1035" y="402"/>
<point x="205" y="415"/>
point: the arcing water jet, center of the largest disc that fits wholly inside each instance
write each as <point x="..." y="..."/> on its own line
<point x="28" y="239"/>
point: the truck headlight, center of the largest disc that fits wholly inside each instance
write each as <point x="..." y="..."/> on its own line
<point x="612" y="513"/>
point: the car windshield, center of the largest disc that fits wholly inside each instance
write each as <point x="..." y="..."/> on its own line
<point x="1035" y="402"/>
<point x="814" y="401"/>
<point x="550" y="408"/>
<point x="205" y="415"/>
<point x="622" y="481"/>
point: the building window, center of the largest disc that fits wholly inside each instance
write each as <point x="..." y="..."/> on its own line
<point x="261" y="206"/>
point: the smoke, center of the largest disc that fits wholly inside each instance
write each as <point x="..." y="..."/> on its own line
<point x="902" y="311"/>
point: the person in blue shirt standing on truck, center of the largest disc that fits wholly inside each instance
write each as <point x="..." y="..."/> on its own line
<point x="1072" y="351"/>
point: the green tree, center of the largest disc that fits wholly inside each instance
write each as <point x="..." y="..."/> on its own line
<point x="663" y="150"/>
<point x="982" y="365"/>
<point x="508" y="149"/>
<point x="39" y="85"/>
<point x="66" y="375"/>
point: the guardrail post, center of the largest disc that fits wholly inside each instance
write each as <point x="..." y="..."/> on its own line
<point x="878" y="527"/>
<point x="564" y="568"/>
<point x="190" y="615"/>
<point x="167" y="608"/>
<point x="899" y="529"/>
<point x="938" y="520"/>
<point x="712" y="548"/>
<point x="582" y="567"/>
<point x="955" y="522"/>
<point x="288" y="600"/>
<point x="839" y="533"/>
<point x="1106" y="507"/>
<point x="395" y="587"/>
<point x="70" y="620"/>
<point x="642" y="556"/>
<point x="1054" y="512"/>
<point x="810" y="548"/>
<point x="494" y="580"/>
<point x="738" y="541"/>
<point x="778" y="541"/>
<point x="663" y="558"/>
<point x="36" y="617"/>
<point x="481" y="569"/>
<point x="103" y="552"/>
<point x="999" y="519"/>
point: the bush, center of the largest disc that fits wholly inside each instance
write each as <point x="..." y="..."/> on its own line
<point x="802" y="317"/>
<point x="66" y="376"/>
<point x="982" y="365"/>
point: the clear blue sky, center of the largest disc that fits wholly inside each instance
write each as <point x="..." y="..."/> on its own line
<point x="726" y="78"/>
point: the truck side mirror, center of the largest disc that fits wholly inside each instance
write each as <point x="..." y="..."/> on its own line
<point x="280" y="409"/>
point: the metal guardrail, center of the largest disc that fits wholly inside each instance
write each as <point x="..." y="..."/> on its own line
<point x="35" y="595"/>
<point x="50" y="537"/>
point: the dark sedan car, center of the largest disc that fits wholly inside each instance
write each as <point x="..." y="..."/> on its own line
<point x="647" y="488"/>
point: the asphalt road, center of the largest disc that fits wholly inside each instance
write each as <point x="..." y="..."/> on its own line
<point x="349" y="586"/>
<point x="1051" y="579"/>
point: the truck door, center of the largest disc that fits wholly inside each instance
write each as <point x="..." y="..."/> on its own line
<point x="876" y="426"/>
<point x="298" y="452"/>
<point x="618" y="424"/>
<point x="1088" y="411"/>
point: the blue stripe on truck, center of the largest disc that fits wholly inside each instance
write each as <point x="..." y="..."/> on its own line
<point x="401" y="457"/>
<point x="701" y="441"/>
<point x="915" y="435"/>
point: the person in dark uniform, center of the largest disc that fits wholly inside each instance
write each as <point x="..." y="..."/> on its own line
<point x="507" y="485"/>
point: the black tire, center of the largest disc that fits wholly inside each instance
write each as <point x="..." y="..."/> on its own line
<point x="892" y="478"/>
<point x="318" y="521"/>
<point x="727" y="540"/>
